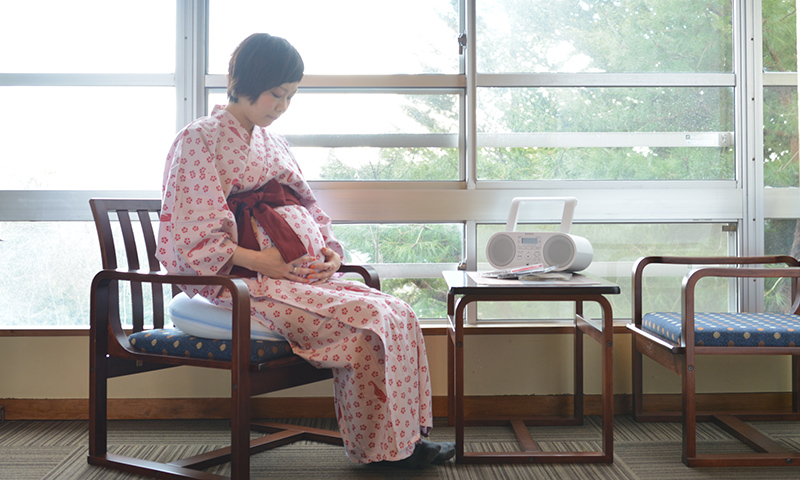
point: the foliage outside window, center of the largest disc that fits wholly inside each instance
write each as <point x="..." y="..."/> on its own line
<point x="616" y="247"/>
<point x="604" y="36"/>
<point x="781" y="236"/>
<point x="559" y="100"/>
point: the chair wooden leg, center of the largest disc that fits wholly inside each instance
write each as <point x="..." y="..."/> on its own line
<point x="98" y="374"/>
<point x="240" y="424"/>
<point x="689" y="450"/>
<point x="796" y="383"/>
<point x="304" y="433"/>
<point x="636" y="381"/>
<point x="98" y="411"/>
<point x="451" y="390"/>
<point x="577" y="381"/>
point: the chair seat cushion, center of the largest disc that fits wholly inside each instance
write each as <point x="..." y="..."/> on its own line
<point x="201" y="318"/>
<point x="729" y="329"/>
<point x="171" y="341"/>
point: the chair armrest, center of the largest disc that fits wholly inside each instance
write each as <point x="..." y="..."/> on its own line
<point x="104" y="325"/>
<point x="694" y="276"/>
<point x="641" y="263"/>
<point x="367" y="272"/>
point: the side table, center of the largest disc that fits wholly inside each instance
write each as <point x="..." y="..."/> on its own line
<point x="463" y="290"/>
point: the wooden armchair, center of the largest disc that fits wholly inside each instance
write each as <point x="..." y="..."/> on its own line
<point x="256" y="367"/>
<point x="675" y="340"/>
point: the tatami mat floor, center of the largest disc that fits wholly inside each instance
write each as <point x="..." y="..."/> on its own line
<point x="57" y="450"/>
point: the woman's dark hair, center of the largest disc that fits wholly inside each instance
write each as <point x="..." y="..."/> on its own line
<point x="262" y="62"/>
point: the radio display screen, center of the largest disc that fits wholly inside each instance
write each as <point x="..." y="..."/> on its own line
<point x="531" y="240"/>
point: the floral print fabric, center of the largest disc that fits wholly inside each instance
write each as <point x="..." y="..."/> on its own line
<point x="371" y="341"/>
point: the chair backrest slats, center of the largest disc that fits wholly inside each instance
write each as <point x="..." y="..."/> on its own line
<point x="105" y="211"/>
<point x="132" y="256"/>
<point x="157" y="294"/>
<point x="149" y="240"/>
<point x="158" y="305"/>
<point x="137" y="306"/>
<point x="102" y="222"/>
<point x="128" y="239"/>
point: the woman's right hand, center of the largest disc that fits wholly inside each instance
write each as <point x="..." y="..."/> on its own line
<point x="269" y="262"/>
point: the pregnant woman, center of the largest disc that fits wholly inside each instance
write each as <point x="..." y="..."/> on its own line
<point x="235" y="202"/>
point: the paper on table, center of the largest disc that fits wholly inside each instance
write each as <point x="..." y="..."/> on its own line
<point x="576" y="279"/>
<point x="563" y="276"/>
<point x="516" y="272"/>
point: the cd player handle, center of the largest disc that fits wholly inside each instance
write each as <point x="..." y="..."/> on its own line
<point x="566" y="216"/>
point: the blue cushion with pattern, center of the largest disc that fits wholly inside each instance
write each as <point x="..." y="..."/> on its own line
<point x="729" y="329"/>
<point x="171" y="341"/>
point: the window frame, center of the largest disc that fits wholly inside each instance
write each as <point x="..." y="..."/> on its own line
<point x="742" y="201"/>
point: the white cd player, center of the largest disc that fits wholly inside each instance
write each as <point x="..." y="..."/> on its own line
<point x="566" y="252"/>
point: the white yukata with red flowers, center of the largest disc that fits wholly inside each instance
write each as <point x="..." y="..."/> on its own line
<point x="372" y="341"/>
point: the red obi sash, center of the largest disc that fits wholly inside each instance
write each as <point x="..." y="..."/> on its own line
<point x="259" y="205"/>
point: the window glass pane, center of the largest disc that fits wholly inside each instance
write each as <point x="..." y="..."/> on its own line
<point x="781" y="237"/>
<point x="47" y="270"/>
<point x="378" y="164"/>
<point x="619" y="36"/>
<point x="370" y="113"/>
<point x="344" y="37"/>
<point x="98" y="138"/>
<point x="374" y="136"/>
<point x="660" y="109"/>
<point x="47" y="285"/>
<point x="779" y="29"/>
<point x="88" y="36"/>
<point x="407" y="244"/>
<point x="780" y="137"/>
<point x="605" y="133"/>
<point x="616" y="247"/>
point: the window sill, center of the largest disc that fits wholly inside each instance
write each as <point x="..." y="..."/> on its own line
<point x="429" y="327"/>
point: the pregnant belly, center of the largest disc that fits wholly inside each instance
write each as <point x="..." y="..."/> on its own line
<point x="306" y="229"/>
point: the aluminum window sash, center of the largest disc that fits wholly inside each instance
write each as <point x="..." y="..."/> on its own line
<point x="520" y="140"/>
<point x="367" y="82"/>
<point x="411" y="140"/>
<point x="779" y="79"/>
<point x="606" y="80"/>
<point x="87" y="79"/>
<point x="749" y="116"/>
<point x="629" y="205"/>
<point x="349" y="202"/>
<point x="190" y="61"/>
<point x="508" y="80"/>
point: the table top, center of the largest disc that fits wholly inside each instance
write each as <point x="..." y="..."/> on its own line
<point x="460" y="282"/>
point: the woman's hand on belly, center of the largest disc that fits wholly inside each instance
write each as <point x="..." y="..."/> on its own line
<point x="323" y="271"/>
<point x="270" y="263"/>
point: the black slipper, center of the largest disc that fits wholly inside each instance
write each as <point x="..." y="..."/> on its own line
<point x="446" y="452"/>
<point x="424" y="454"/>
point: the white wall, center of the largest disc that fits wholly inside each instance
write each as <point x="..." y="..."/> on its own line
<point x="58" y="367"/>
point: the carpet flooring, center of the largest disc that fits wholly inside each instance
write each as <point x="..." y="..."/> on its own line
<point x="56" y="450"/>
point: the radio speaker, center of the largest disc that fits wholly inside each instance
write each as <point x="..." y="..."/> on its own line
<point x="503" y="250"/>
<point x="558" y="251"/>
<point x="565" y="252"/>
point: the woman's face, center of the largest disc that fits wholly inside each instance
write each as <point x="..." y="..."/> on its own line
<point x="269" y="106"/>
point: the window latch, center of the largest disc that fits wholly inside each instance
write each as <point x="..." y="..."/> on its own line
<point x="462" y="43"/>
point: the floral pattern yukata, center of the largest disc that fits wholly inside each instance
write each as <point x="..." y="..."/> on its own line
<point x="371" y="341"/>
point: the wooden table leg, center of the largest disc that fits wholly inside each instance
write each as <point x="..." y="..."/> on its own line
<point x="577" y="407"/>
<point x="458" y="368"/>
<point x="531" y="453"/>
<point x="607" y="347"/>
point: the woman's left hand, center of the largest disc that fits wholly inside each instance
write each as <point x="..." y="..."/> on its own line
<point x="325" y="270"/>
